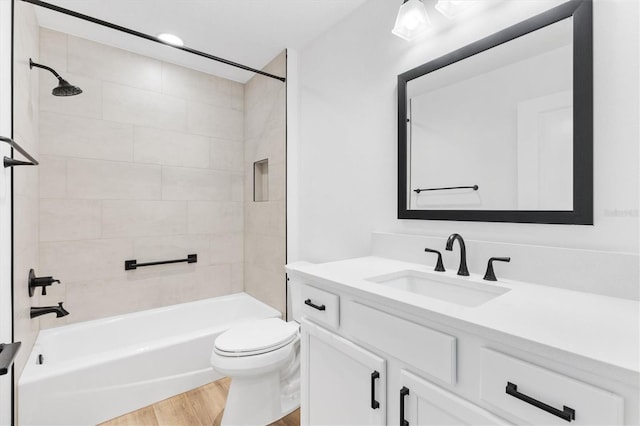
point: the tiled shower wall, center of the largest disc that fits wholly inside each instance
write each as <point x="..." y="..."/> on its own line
<point x="265" y="221"/>
<point x="146" y="164"/>
<point x="25" y="179"/>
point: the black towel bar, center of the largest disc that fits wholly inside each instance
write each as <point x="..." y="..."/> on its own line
<point x="8" y="352"/>
<point x="133" y="264"/>
<point x="10" y="162"/>
<point x="419" y="190"/>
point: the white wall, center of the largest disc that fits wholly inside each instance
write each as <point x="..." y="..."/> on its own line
<point x="348" y="159"/>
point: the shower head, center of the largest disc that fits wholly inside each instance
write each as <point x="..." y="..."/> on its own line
<point x="64" y="88"/>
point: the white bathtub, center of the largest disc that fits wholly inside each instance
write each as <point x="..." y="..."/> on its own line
<point x="96" y="370"/>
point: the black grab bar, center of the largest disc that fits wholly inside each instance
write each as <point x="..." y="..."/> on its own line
<point x="133" y="264"/>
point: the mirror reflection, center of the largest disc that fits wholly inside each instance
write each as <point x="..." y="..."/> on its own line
<point x="494" y="131"/>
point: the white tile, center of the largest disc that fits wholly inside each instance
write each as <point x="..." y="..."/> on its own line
<point x="112" y="64"/>
<point x="265" y="251"/>
<point x="227" y="155"/>
<point x="265" y="218"/>
<point x="227" y="248"/>
<point x="52" y="177"/>
<point x="180" y="183"/>
<point x="217" y="122"/>
<point x="277" y="184"/>
<point x="237" y="187"/>
<point x="115" y="296"/>
<point x="211" y="217"/>
<point x="53" y="50"/>
<point x="266" y="286"/>
<point x="105" y="180"/>
<point x="143" y="107"/>
<point x="71" y="261"/>
<point x="237" y="277"/>
<point x="122" y="218"/>
<point x="197" y="86"/>
<point x="80" y="137"/>
<point x="200" y="283"/>
<point x="87" y="104"/>
<point x="167" y="147"/>
<point x="237" y="96"/>
<point x="64" y="220"/>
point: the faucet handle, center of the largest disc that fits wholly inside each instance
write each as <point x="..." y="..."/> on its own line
<point x="490" y="274"/>
<point x="439" y="265"/>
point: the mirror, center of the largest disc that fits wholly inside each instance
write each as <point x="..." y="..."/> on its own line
<point x="501" y="130"/>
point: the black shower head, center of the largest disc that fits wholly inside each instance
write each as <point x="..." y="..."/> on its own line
<point x="64" y="88"/>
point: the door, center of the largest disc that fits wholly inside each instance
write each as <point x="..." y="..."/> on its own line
<point x="342" y="383"/>
<point x="423" y="403"/>
<point x="6" y="382"/>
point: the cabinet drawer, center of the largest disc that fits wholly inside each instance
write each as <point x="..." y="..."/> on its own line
<point x="425" y="349"/>
<point x="540" y="396"/>
<point x="319" y="305"/>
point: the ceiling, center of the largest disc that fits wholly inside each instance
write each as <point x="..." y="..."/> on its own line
<point x="250" y="32"/>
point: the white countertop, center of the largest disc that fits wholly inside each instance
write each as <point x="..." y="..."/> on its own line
<point x="601" y="328"/>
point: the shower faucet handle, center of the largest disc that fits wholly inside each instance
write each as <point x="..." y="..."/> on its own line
<point x="42" y="282"/>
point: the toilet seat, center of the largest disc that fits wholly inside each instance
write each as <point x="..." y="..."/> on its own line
<point x="255" y="338"/>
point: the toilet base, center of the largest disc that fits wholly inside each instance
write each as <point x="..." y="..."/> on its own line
<point x="257" y="401"/>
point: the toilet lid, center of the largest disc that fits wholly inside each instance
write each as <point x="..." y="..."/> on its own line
<point x="256" y="337"/>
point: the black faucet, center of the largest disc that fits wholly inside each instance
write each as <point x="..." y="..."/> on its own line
<point x="36" y="311"/>
<point x="462" y="270"/>
<point x="439" y="265"/>
<point x="42" y="282"/>
<point x="490" y="275"/>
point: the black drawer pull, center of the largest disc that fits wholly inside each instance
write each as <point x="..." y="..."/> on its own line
<point x="403" y="392"/>
<point x="566" y="413"/>
<point x="374" y="404"/>
<point x="308" y="302"/>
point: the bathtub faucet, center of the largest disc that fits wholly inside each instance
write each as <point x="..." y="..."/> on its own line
<point x="36" y="311"/>
<point x="42" y="282"/>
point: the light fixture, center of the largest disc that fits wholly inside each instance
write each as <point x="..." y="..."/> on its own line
<point x="171" y="39"/>
<point x="412" y="20"/>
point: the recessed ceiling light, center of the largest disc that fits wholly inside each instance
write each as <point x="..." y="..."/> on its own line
<point x="171" y="39"/>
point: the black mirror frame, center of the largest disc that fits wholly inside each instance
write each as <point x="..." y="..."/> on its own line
<point x="582" y="213"/>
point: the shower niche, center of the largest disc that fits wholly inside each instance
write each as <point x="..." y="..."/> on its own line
<point x="261" y="180"/>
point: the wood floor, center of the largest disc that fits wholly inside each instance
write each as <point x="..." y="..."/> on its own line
<point x="201" y="406"/>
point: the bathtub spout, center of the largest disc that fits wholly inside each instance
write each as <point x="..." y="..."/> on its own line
<point x="36" y="311"/>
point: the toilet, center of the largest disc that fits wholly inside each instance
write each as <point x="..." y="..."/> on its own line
<point x="262" y="358"/>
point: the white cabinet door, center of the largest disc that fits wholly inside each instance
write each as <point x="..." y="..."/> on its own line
<point x="423" y="403"/>
<point x="342" y="384"/>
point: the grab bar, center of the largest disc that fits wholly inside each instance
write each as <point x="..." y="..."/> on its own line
<point x="133" y="264"/>
<point x="419" y="190"/>
<point x="10" y="162"/>
<point x="8" y="352"/>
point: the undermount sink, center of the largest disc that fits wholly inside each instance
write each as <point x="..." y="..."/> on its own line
<point x="461" y="291"/>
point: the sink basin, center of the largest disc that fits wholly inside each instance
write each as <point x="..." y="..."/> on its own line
<point x="461" y="291"/>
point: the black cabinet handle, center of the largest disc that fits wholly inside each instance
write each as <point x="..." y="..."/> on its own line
<point x="374" y="404"/>
<point x="308" y="302"/>
<point x="566" y="413"/>
<point x="403" y="392"/>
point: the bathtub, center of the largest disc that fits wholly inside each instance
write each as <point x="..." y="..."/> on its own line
<point x="96" y="370"/>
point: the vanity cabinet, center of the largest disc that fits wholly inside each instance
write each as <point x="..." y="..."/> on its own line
<point x="342" y="383"/>
<point x="423" y="403"/>
<point x="369" y="362"/>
